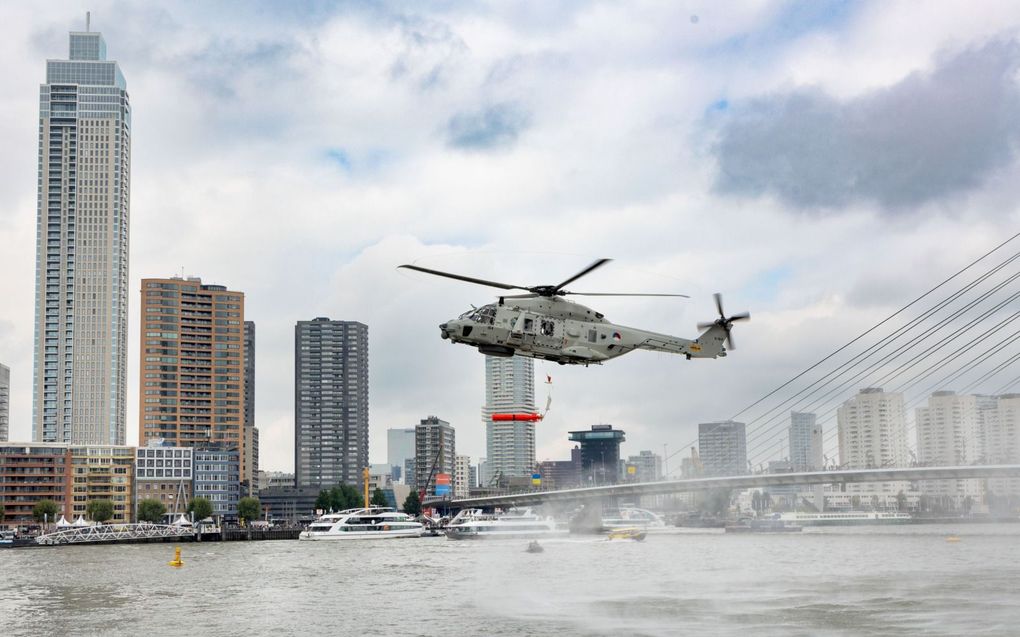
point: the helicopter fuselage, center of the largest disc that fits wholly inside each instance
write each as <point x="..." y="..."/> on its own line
<point x="556" y="329"/>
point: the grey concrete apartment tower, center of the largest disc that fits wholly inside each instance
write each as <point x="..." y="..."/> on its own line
<point x="435" y="451"/>
<point x="723" y="448"/>
<point x="5" y="403"/>
<point x="330" y="402"/>
<point x="79" y="383"/>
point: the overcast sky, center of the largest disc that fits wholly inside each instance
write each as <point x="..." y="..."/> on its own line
<point x="819" y="163"/>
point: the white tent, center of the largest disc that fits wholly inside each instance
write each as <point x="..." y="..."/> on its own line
<point x="80" y="521"/>
<point x="62" y="522"/>
<point x="182" y="521"/>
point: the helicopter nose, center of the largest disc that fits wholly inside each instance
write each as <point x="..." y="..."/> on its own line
<point x="442" y="331"/>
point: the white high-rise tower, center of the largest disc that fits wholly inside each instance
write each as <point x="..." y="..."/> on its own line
<point x="873" y="434"/>
<point x="79" y="379"/>
<point x="509" y="389"/>
<point x="947" y="435"/>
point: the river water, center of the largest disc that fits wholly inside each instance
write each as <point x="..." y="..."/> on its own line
<point x="845" y="581"/>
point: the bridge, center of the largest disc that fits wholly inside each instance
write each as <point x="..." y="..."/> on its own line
<point x="750" y="481"/>
<point x="140" y="532"/>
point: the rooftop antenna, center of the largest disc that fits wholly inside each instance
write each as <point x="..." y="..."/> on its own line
<point x="88" y="20"/>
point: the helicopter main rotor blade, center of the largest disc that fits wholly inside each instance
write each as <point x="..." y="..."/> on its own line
<point x="594" y="266"/>
<point x="622" y="294"/>
<point x="743" y="316"/>
<point x="530" y="295"/>
<point x="461" y="277"/>
<point x="718" y="303"/>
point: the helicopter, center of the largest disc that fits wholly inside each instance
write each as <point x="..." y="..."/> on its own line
<point x="542" y="323"/>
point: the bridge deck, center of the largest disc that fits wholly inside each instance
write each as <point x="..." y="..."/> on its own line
<point x="739" y="482"/>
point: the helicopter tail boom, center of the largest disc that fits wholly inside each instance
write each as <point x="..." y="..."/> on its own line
<point x="709" y="344"/>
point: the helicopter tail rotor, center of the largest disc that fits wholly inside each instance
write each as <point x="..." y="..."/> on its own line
<point x="725" y="322"/>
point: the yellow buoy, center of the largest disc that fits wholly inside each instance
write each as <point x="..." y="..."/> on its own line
<point x="177" y="561"/>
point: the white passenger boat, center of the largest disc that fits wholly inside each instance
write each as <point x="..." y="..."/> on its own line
<point x="846" y="518"/>
<point x="363" y="524"/>
<point x="473" y="524"/>
<point x="629" y="518"/>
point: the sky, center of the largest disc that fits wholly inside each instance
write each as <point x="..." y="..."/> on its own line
<point x="818" y="163"/>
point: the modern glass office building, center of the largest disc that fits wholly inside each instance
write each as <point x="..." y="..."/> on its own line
<point x="79" y="377"/>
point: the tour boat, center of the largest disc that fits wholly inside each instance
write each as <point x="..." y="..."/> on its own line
<point x="763" y="525"/>
<point x="363" y="524"/>
<point x="846" y="518"/>
<point x="472" y="524"/>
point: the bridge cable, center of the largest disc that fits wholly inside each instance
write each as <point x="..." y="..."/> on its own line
<point x="913" y="361"/>
<point x="896" y="334"/>
<point x="847" y="367"/>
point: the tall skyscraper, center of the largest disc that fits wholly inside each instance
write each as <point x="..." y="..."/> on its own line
<point x="192" y="365"/>
<point x="79" y="383"/>
<point x="947" y="435"/>
<point x="806" y="442"/>
<point x="872" y="428"/>
<point x="330" y="402"/>
<point x="509" y="388"/>
<point x="400" y="447"/>
<point x="251" y="433"/>
<point x="5" y="402"/>
<point x="435" y="451"/>
<point x="722" y="447"/>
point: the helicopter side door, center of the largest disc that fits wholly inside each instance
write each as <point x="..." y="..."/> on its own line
<point x="522" y="330"/>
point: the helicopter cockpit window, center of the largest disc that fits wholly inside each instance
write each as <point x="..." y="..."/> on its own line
<point x="529" y="325"/>
<point x="485" y="314"/>
<point x="547" y="327"/>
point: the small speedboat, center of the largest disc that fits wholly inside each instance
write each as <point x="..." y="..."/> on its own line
<point x="632" y="535"/>
<point x="535" y="547"/>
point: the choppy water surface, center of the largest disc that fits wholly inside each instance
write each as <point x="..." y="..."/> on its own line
<point x="861" y="581"/>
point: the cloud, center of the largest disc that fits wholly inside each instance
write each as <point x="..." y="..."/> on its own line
<point x="930" y="136"/>
<point x="236" y="112"/>
<point x="492" y="127"/>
